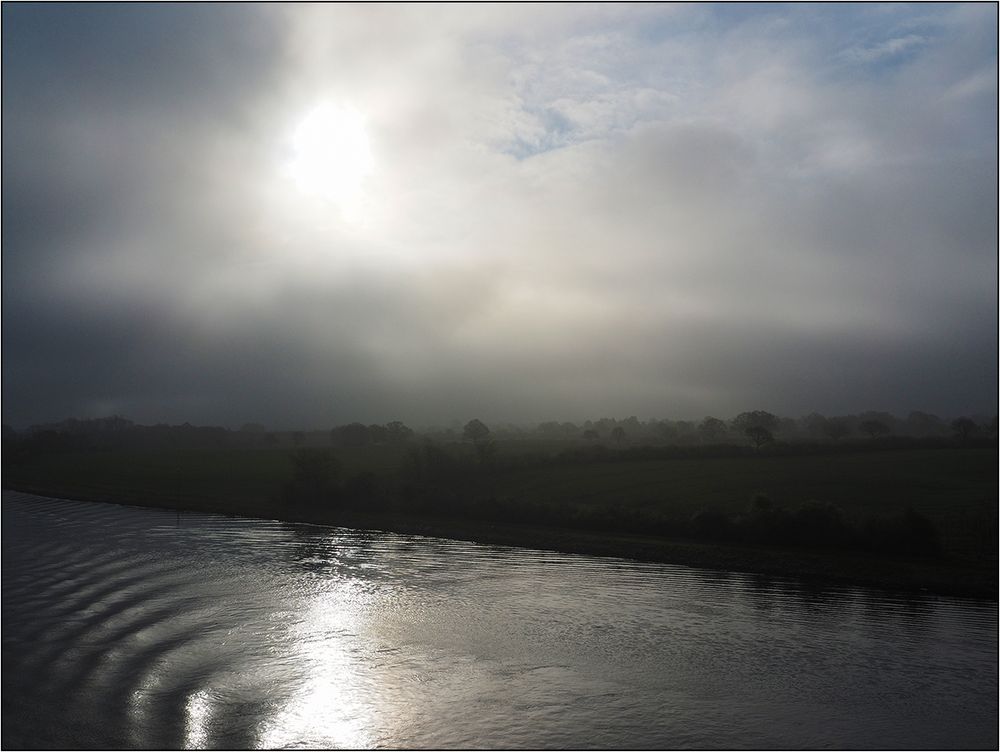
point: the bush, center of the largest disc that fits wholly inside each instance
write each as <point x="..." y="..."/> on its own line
<point x="766" y="523"/>
<point x="712" y="524"/>
<point x="907" y="533"/>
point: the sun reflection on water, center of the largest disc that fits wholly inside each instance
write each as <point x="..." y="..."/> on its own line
<point x="332" y="704"/>
<point x="197" y="713"/>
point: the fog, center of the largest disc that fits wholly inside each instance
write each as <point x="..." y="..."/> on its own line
<point x="572" y="211"/>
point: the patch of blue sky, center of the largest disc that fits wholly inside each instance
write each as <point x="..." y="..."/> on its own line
<point x="666" y="26"/>
<point x="557" y="132"/>
<point x="652" y="63"/>
<point x="885" y="54"/>
<point x="840" y="39"/>
<point x="875" y="38"/>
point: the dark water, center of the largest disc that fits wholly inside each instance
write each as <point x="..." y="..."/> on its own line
<point x="126" y="627"/>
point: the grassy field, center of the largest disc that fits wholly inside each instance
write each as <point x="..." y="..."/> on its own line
<point x="955" y="488"/>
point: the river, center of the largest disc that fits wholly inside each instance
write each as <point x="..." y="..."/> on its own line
<point x="127" y="627"/>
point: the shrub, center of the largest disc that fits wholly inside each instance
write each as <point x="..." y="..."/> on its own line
<point x="712" y="524"/>
<point x="907" y="533"/>
<point x="766" y="523"/>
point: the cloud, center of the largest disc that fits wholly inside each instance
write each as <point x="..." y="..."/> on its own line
<point x="884" y="49"/>
<point x="574" y="211"/>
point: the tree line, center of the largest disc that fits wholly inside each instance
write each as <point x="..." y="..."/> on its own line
<point x="754" y="428"/>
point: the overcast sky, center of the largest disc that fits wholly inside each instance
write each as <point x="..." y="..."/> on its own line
<point x="309" y="215"/>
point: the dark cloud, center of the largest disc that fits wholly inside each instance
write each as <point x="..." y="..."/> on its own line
<point x="147" y="56"/>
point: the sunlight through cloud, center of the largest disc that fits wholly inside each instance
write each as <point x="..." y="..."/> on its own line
<point x="331" y="153"/>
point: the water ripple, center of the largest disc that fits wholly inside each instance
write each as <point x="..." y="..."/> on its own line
<point x="133" y="628"/>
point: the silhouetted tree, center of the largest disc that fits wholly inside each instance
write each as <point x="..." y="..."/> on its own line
<point x="836" y="428"/>
<point x="590" y="434"/>
<point x="430" y="462"/>
<point x="712" y="428"/>
<point x="479" y="434"/>
<point x="685" y="429"/>
<point x="486" y="449"/>
<point x="891" y="423"/>
<point x="666" y="430"/>
<point x="570" y="429"/>
<point x="549" y="428"/>
<point x="814" y="425"/>
<point x="377" y="434"/>
<point x="924" y="424"/>
<point x="604" y="425"/>
<point x="964" y="428"/>
<point x="618" y="434"/>
<point x="874" y="428"/>
<point x="475" y="430"/>
<point x="759" y="436"/>
<point x="397" y="431"/>
<point x="353" y="434"/>
<point x="757" y="426"/>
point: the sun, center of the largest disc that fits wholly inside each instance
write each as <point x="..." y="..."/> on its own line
<point x="330" y="153"/>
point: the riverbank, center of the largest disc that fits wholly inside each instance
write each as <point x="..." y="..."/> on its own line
<point x="822" y="568"/>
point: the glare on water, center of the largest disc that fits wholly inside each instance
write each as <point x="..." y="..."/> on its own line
<point x="128" y="627"/>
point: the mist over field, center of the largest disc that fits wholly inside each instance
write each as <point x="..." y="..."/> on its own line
<point x="309" y="215"/>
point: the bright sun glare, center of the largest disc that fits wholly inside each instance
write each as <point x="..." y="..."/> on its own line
<point x="331" y="154"/>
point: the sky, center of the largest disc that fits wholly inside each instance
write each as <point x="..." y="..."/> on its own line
<point x="307" y="215"/>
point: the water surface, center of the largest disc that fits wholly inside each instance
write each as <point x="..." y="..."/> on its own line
<point x="142" y="628"/>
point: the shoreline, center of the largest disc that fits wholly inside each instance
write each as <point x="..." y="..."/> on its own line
<point x="818" y="568"/>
